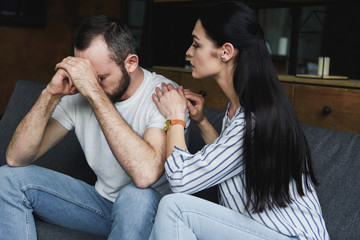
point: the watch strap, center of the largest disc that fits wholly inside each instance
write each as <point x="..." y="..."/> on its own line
<point x="178" y="121"/>
<point x="169" y="123"/>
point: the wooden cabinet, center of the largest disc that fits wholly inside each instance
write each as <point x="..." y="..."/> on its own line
<point x="332" y="104"/>
<point x="328" y="107"/>
<point x="289" y="89"/>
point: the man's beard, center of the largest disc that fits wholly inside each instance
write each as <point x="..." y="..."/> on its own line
<point x="121" y="88"/>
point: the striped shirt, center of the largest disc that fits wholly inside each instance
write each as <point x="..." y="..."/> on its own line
<point x="222" y="163"/>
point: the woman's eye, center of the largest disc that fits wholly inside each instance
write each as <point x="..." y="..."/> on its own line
<point x="195" y="46"/>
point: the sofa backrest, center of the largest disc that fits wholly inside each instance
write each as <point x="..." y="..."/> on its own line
<point x="195" y="141"/>
<point x="336" y="162"/>
<point x="66" y="157"/>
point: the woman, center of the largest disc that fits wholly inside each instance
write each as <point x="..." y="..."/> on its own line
<point x="260" y="161"/>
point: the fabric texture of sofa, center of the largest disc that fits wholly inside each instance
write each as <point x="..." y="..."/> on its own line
<point x="336" y="159"/>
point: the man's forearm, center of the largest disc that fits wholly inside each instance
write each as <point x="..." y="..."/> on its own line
<point x="137" y="157"/>
<point x="28" y="136"/>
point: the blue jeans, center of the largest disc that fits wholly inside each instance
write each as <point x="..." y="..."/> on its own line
<point x="182" y="216"/>
<point x="68" y="202"/>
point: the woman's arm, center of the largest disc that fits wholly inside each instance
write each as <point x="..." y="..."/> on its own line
<point x="213" y="164"/>
<point x="216" y="162"/>
<point x="195" y="104"/>
<point x="171" y="103"/>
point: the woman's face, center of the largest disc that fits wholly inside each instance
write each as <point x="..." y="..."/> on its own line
<point x="204" y="54"/>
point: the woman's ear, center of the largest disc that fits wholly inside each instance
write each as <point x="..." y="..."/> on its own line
<point x="228" y="52"/>
<point x="131" y="63"/>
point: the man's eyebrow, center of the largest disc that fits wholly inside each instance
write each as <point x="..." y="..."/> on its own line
<point x="103" y="75"/>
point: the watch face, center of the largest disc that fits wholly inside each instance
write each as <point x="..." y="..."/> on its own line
<point x="167" y="125"/>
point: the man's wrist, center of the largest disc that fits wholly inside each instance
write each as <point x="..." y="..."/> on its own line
<point x="97" y="96"/>
<point x="49" y="94"/>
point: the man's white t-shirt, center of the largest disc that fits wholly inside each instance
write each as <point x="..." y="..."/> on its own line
<point x="139" y="111"/>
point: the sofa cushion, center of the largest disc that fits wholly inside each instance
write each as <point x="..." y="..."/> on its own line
<point x="66" y="157"/>
<point x="336" y="162"/>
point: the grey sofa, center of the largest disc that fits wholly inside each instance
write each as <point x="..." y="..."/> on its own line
<point x="336" y="157"/>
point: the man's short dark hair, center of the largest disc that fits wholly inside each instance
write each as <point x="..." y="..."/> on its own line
<point x="116" y="34"/>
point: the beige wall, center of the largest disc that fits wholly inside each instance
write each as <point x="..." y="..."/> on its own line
<point x="31" y="54"/>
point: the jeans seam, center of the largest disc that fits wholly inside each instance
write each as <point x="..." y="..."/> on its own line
<point x="177" y="223"/>
<point x="56" y="194"/>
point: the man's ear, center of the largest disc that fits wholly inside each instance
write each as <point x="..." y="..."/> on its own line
<point x="131" y="63"/>
<point x="228" y="52"/>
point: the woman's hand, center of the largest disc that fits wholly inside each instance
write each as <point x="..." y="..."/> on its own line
<point x="170" y="101"/>
<point x="195" y="104"/>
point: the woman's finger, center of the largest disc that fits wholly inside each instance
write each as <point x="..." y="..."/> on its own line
<point x="158" y="92"/>
<point x="180" y="90"/>
<point x="190" y="106"/>
<point x="155" y="99"/>
<point x="170" y="87"/>
<point x="164" y="88"/>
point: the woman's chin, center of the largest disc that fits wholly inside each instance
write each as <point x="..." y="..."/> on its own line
<point x="196" y="75"/>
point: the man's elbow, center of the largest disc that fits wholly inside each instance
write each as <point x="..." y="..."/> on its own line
<point x="12" y="162"/>
<point x="146" y="181"/>
<point x="142" y="184"/>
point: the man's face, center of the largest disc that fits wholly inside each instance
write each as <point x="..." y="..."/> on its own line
<point x="113" y="80"/>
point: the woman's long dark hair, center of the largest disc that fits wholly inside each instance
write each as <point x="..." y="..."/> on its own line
<point x="276" y="149"/>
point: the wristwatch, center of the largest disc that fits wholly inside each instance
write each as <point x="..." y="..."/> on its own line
<point x="169" y="123"/>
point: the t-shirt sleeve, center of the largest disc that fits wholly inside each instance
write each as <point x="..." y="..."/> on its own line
<point x="62" y="113"/>
<point x="157" y="120"/>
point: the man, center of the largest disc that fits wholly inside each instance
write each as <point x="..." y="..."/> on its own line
<point x="119" y="129"/>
